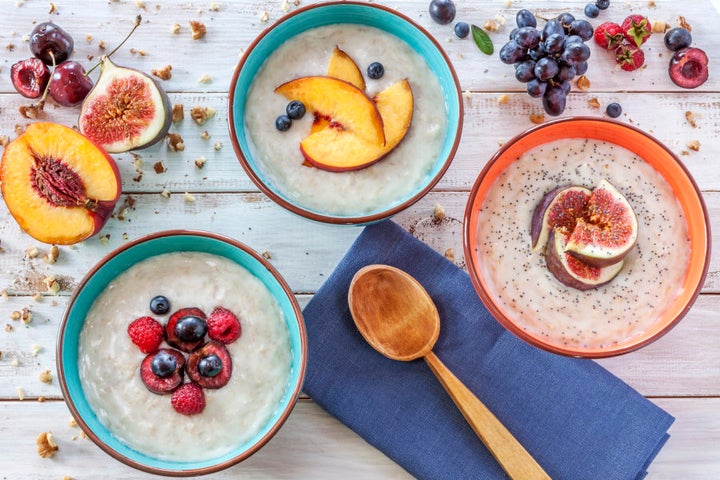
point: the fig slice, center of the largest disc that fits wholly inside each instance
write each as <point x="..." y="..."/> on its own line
<point x="125" y="110"/>
<point x="607" y="231"/>
<point x="559" y="208"/>
<point x="572" y="272"/>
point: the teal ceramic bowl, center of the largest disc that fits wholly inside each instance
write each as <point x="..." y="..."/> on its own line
<point x="331" y="13"/>
<point x="119" y="261"/>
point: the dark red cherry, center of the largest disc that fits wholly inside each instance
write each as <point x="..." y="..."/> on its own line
<point x="69" y="85"/>
<point x="30" y="77"/>
<point x="47" y="38"/>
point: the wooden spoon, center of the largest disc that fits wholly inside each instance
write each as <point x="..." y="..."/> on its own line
<point x="398" y="318"/>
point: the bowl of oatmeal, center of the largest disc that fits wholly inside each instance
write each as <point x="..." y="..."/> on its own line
<point x="182" y="353"/>
<point x="660" y="276"/>
<point x="382" y="109"/>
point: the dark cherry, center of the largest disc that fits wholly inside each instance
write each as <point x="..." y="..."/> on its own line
<point x="210" y="366"/>
<point x="69" y="85"/>
<point x="30" y="77"/>
<point x="48" y="40"/>
<point x="163" y="364"/>
<point x="190" y="328"/>
<point x="159" y="305"/>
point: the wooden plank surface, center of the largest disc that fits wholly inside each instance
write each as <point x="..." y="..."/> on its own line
<point x="680" y="372"/>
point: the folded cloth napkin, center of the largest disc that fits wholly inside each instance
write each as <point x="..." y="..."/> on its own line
<point x="577" y="420"/>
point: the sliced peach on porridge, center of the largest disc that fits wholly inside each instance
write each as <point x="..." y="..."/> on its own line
<point x="343" y="67"/>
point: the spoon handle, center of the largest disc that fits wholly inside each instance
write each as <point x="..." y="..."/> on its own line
<point x="511" y="456"/>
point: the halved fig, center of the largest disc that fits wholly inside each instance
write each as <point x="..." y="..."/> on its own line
<point x="572" y="272"/>
<point x="125" y="110"/>
<point x="559" y="208"/>
<point x="607" y="231"/>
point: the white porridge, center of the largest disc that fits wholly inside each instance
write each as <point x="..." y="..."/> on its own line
<point x="654" y="269"/>
<point x="353" y="192"/>
<point x="109" y="362"/>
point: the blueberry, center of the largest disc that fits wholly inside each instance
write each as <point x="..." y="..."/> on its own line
<point x="613" y="110"/>
<point x="295" y="110"/>
<point x="159" y="305"/>
<point x="190" y="328"/>
<point x="592" y="10"/>
<point x="283" y="123"/>
<point x="210" y="366"/>
<point x="163" y="364"/>
<point x="375" y="70"/>
<point x="462" y="29"/>
<point x="602" y="4"/>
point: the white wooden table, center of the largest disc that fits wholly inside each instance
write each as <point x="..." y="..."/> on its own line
<point x="680" y="372"/>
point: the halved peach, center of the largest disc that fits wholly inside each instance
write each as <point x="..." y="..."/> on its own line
<point x="342" y="102"/>
<point x="58" y="185"/>
<point x="336" y="149"/>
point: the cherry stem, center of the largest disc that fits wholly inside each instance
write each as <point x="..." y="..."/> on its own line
<point x="47" y="87"/>
<point x="138" y="19"/>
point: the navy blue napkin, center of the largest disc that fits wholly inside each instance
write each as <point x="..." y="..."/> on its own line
<point x="577" y="420"/>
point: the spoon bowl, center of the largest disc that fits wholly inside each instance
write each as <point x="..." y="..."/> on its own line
<point x="397" y="317"/>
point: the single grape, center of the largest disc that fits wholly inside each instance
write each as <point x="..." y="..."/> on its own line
<point x="283" y="123"/>
<point x="527" y="37"/>
<point x="554" y="100"/>
<point x="613" y="110"/>
<point x="513" y="32"/>
<point x="546" y="68"/>
<point x="511" y="53"/>
<point x="47" y="40"/>
<point x="524" y="71"/>
<point x="554" y="43"/>
<point x="525" y="18"/>
<point x="565" y="20"/>
<point x="603" y="4"/>
<point x="442" y="11"/>
<point x="572" y="39"/>
<point x="677" y="39"/>
<point x="576" y="53"/>
<point x="581" y="68"/>
<point x="567" y="72"/>
<point x="565" y="86"/>
<point x="552" y="26"/>
<point x="68" y="84"/>
<point x="592" y="10"/>
<point x="462" y="29"/>
<point x="582" y="28"/>
<point x="536" y="88"/>
<point x="538" y="52"/>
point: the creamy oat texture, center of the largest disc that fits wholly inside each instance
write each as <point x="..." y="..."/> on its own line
<point x="624" y="308"/>
<point x="361" y="191"/>
<point x="109" y="363"/>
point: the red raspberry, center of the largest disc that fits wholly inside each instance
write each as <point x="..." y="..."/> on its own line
<point x="223" y="325"/>
<point x="189" y="399"/>
<point x="637" y="29"/>
<point x="608" y="35"/>
<point x="146" y="333"/>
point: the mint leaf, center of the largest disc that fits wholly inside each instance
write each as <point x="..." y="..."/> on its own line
<point x="482" y="40"/>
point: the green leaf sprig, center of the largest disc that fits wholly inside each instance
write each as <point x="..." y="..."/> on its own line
<point x="482" y="40"/>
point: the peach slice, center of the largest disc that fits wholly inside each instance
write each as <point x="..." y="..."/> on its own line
<point x="345" y="104"/>
<point x="343" y="67"/>
<point x="336" y="149"/>
<point x="58" y="185"/>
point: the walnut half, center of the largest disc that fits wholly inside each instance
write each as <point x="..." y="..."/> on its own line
<point x="46" y="445"/>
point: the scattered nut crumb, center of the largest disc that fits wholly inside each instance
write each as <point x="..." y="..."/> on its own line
<point x="583" y="83"/>
<point x="218" y="146"/>
<point x="594" y="103"/>
<point x="10" y="47"/>
<point x="54" y="287"/>
<point x="101" y="45"/>
<point x="15" y="362"/>
<point x="659" y="26"/>
<point x="140" y="4"/>
<point x="104" y="239"/>
<point x="164" y="73"/>
<point x="15" y="315"/>
<point x="37" y="296"/>
<point x="125" y="236"/>
<point x="88" y="38"/>
<point x="9" y="328"/>
<point x="178" y="113"/>
<point x="205" y="135"/>
<point x="26" y="316"/>
<point x="4" y="140"/>
<point x="36" y="349"/>
<point x="286" y="6"/>
<point x="694" y="145"/>
<point x="165" y="193"/>
<point x="683" y="23"/>
<point x="135" y="51"/>
<point x="197" y="29"/>
<point x="491" y="26"/>
<point x="53" y="8"/>
<point x="46" y="376"/>
<point x="159" y="167"/>
<point x="32" y="252"/>
<point x="4" y="294"/>
<point x="46" y="446"/>
<point x="266" y="255"/>
<point x="467" y="94"/>
<point x="72" y="423"/>
<point x="537" y="118"/>
<point x="189" y="197"/>
<point x="508" y="3"/>
<point x="690" y="117"/>
<point x="503" y="99"/>
<point x="175" y="28"/>
<point x="205" y="78"/>
<point x="19" y="129"/>
<point x="201" y="114"/>
<point x="439" y="213"/>
<point x="264" y="17"/>
<point x="52" y="255"/>
<point x="296" y="2"/>
<point x="213" y="7"/>
<point x="41" y="399"/>
<point x="20" y="393"/>
<point x="200" y="162"/>
<point x="450" y="254"/>
<point x="68" y="477"/>
<point x="33" y="110"/>
<point x="651" y="3"/>
<point x="175" y="142"/>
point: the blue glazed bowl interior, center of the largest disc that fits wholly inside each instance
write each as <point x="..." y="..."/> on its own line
<point x="115" y="265"/>
<point x="352" y="13"/>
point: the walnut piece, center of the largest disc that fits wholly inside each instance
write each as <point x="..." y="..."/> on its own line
<point x="159" y="167"/>
<point x="537" y="118"/>
<point x="583" y="83"/>
<point x="200" y="162"/>
<point x="439" y="213"/>
<point x="175" y="142"/>
<point x="659" y="26"/>
<point x="683" y="23"/>
<point x="52" y="255"/>
<point x="202" y="114"/>
<point x="690" y="117"/>
<point x="450" y="254"/>
<point x="46" y="446"/>
<point x="197" y="29"/>
<point x="175" y="29"/>
<point x="178" y="113"/>
<point x="694" y="145"/>
<point x="45" y="376"/>
<point x="164" y="73"/>
<point x="503" y="99"/>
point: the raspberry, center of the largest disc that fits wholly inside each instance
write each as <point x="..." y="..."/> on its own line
<point x="608" y="35"/>
<point x="223" y="325"/>
<point x="146" y="333"/>
<point x="189" y="399"/>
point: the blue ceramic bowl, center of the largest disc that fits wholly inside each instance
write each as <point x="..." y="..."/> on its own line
<point x="332" y="13"/>
<point x="119" y="261"/>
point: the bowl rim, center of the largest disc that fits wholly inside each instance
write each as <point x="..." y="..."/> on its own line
<point x="487" y="299"/>
<point x="328" y="218"/>
<point x="296" y="389"/>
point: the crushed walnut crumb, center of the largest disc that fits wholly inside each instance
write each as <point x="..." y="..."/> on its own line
<point x="438" y="213"/>
<point x="205" y="78"/>
<point x="53" y="8"/>
<point x="15" y="315"/>
<point x="683" y="23"/>
<point x="264" y="16"/>
<point x="189" y="197"/>
<point x="4" y="140"/>
<point x="214" y="7"/>
<point x="32" y="111"/>
<point x="690" y="117"/>
<point x="101" y="45"/>
<point x="491" y="26"/>
<point x="134" y="51"/>
<point x="694" y="145"/>
<point x="72" y="423"/>
<point x="503" y="99"/>
<point x="52" y="284"/>
<point x="32" y="252"/>
<point x="46" y="376"/>
<point x="46" y="446"/>
<point x="537" y="118"/>
<point x="159" y="167"/>
<point x="20" y="393"/>
<point x="36" y="349"/>
<point x="659" y="26"/>
<point x="218" y="146"/>
<point x="37" y="296"/>
<point x="450" y="254"/>
<point x="285" y="6"/>
<point x="104" y="239"/>
<point x="200" y="162"/>
<point x="175" y="28"/>
<point x="178" y="113"/>
<point x="165" y="193"/>
<point x="205" y="135"/>
<point x="9" y="328"/>
<point x="26" y="315"/>
<point x="52" y="256"/>
<point x="197" y="29"/>
<point x="594" y="103"/>
<point x="164" y="73"/>
<point x="266" y="255"/>
<point x="202" y="114"/>
<point x="583" y="83"/>
<point x="175" y="142"/>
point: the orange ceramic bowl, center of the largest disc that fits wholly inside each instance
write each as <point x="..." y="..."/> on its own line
<point x="651" y="151"/>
